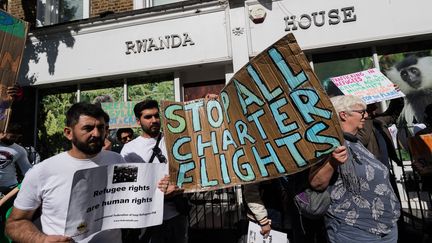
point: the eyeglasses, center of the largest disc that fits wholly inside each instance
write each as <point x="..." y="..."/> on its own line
<point x="127" y="137"/>
<point x="361" y="112"/>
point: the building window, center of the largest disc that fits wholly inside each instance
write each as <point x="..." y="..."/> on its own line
<point x="331" y="65"/>
<point x="58" y="11"/>
<point x="53" y="104"/>
<point x="100" y="92"/>
<point x="145" y="88"/>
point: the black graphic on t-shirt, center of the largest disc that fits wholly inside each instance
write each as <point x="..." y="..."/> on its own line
<point x="5" y="159"/>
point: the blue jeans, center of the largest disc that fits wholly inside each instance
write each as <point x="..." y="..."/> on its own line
<point x="339" y="232"/>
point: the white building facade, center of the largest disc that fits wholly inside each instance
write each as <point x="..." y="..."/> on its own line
<point x="194" y="44"/>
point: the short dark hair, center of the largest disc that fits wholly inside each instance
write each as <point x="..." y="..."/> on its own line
<point x="122" y="130"/>
<point x="87" y="109"/>
<point x="145" y="104"/>
<point x="14" y="128"/>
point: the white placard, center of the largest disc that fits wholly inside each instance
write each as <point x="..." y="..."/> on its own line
<point x="254" y="235"/>
<point x="370" y="85"/>
<point x="115" y="196"/>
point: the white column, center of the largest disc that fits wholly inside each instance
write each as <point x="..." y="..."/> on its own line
<point x="177" y="87"/>
<point x="239" y="38"/>
<point x="383" y="104"/>
<point x="36" y="108"/>
<point x="78" y="93"/>
<point x="125" y="90"/>
<point x="228" y="72"/>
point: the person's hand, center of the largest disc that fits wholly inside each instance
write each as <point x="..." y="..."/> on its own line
<point x="168" y="188"/>
<point x="173" y="190"/>
<point x="56" y="238"/>
<point x="339" y="156"/>
<point x="421" y="168"/>
<point x="265" y="230"/>
<point x="14" y="91"/>
<point x="163" y="184"/>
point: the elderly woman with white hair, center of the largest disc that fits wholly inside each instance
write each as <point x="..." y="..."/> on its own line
<point x="364" y="207"/>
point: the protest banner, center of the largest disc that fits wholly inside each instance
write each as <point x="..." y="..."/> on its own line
<point x="121" y="114"/>
<point x="371" y="85"/>
<point x="115" y="196"/>
<point x="254" y="235"/>
<point x="272" y="119"/>
<point x="13" y="34"/>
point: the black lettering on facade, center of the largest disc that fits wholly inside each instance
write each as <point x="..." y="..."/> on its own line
<point x="320" y="18"/>
<point x="159" y="43"/>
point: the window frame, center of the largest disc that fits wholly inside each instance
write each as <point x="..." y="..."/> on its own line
<point x="47" y="12"/>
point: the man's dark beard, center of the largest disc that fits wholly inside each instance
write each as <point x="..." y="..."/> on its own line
<point x="86" y="148"/>
<point x="153" y="131"/>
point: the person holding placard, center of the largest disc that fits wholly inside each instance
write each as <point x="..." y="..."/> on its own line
<point x="364" y="207"/>
<point x="49" y="183"/>
<point x="150" y="148"/>
<point x="376" y="137"/>
<point x="265" y="205"/>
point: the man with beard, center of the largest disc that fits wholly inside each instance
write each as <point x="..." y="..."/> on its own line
<point x="48" y="184"/>
<point x="150" y="148"/>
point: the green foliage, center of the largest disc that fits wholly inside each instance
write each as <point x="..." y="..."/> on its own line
<point x="51" y="120"/>
<point x="403" y="154"/>
<point x="387" y="61"/>
<point x="115" y="93"/>
<point x="53" y="107"/>
<point x="327" y="70"/>
<point x="157" y="91"/>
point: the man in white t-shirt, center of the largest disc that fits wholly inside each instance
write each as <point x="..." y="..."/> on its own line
<point x="47" y="185"/>
<point x="11" y="154"/>
<point x="150" y="148"/>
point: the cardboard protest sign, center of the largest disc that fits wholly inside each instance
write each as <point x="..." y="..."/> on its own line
<point x="13" y="34"/>
<point x="115" y="196"/>
<point x="272" y="119"/>
<point x="421" y="148"/>
<point x="121" y="114"/>
<point x="371" y="85"/>
<point x="254" y="235"/>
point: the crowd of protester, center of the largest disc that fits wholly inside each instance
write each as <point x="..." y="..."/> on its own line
<point x="364" y="199"/>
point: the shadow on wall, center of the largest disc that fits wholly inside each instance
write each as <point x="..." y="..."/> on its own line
<point x="43" y="41"/>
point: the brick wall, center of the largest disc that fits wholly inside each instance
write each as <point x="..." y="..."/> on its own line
<point x="99" y="6"/>
<point x="26" y="12"/>
<point x="15" y="8"/>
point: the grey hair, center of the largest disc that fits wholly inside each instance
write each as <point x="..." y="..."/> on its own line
<point x="347" y="102"/>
